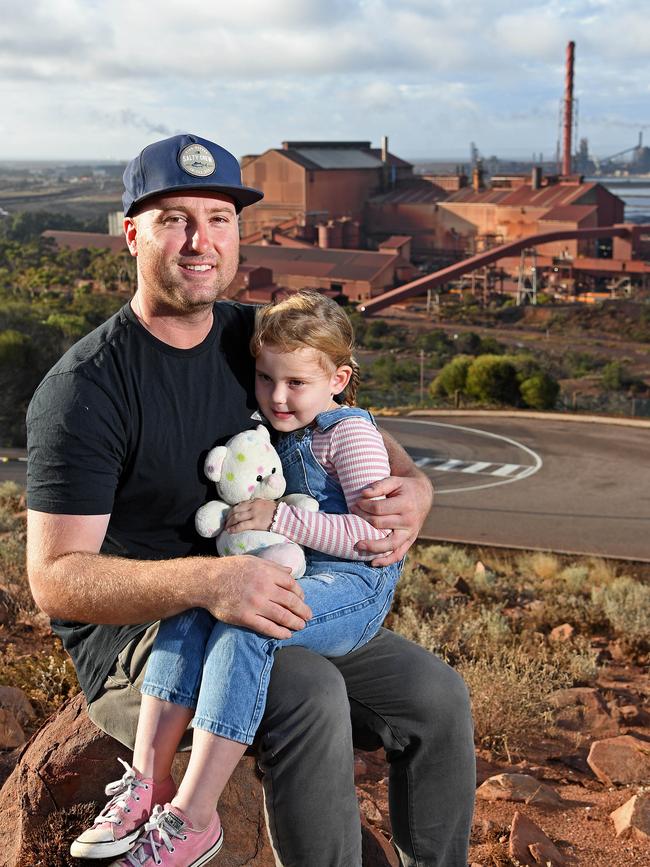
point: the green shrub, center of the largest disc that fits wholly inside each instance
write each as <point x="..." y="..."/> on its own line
<point x="491" y="346"/>
<point x="434" y="341"/>
<point x="616" y="377"/>
<point x="15" y="349"/>
<point x="493" y="379"/>
<point x="378" y="328"/>
<point x="452" y="377"/>
<point x="578" y="364"/>
<point x="387" y="370"/>
<point x="70" y="325"/>
<point x="467" y="343"/>
<point x="540" y="391"/>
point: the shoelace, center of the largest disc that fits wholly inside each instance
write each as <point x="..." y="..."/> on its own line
<point x="119" y="791"/>
<point x="139" y="855"/>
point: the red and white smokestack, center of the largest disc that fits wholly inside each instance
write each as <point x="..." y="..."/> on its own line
<point x="567" y="127"/>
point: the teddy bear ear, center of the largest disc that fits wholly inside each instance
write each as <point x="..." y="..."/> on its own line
<point x="264" y="432"/>
<point x="214" y="463"/>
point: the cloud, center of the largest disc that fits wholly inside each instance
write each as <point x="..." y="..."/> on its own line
<point x="430" y="73"/>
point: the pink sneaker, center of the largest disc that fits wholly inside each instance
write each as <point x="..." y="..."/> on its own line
<point x="169" y="839"/>
<point x="118" y="825"/>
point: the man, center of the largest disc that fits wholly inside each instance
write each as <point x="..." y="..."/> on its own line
<point x="117" y="433"/>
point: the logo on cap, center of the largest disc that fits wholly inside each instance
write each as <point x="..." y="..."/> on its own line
<point x="197" y="160"/>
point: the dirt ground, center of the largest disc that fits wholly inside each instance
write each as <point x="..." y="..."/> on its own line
<point x="580" y="828"/>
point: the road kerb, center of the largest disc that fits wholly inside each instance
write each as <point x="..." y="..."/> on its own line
<point x="544" y="416"/>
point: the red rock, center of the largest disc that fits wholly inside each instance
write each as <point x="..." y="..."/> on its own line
<point x="585" y="696"/>
<point x="530" y="846"/>
<point x="633" y="818"/>
<point x="376" y="851"/>
<point x="518" y="787"/>
<point x="630" y="713"/>
<point x="15" y="700"/>
<point x="583" y="709"/>
<point x="617" y="651"/>
<point x="370" y="810"/>
<point x="624" y="760"/>
<point x="360" y="768"/>
<point x="59" y="783"/>
<point x="11" y="733"/>
<point x="562" y="633"/>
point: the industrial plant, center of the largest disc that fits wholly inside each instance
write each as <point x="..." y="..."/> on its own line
<point x="361" y="223"/>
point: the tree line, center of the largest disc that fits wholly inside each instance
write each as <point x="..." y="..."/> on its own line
<point x="49" y="298"/>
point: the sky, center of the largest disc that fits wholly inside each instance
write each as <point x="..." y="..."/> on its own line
<point x="100" y="79"/>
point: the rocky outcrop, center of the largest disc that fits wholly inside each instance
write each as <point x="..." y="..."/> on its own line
<point x="620" y="761"/>
<point x="518" y="787"/>
<point x="583" y="709"/>
<point x="15" y="700"/>
<point x="632" y="820"/>
<point x="15" y="712"/>
<point x="58" y="786"/>
<point x="11" y="733"/>
<point x="529" y="846"/>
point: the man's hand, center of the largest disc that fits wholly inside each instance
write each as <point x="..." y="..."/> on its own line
<point x="259" y="595"/>
<point x="71" y="580"/>
<point x="405" y="505"/>
<point x="251" y="515"/>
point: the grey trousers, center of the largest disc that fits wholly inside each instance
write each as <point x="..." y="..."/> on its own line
<point x="389" y="693"/>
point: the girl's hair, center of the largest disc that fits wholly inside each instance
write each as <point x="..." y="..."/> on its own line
<point x="309" y="319"/>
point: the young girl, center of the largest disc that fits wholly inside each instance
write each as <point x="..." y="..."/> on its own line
<point x="215" y="674"/>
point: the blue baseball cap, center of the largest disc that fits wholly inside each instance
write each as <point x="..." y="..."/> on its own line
<point x="184" y="162"/>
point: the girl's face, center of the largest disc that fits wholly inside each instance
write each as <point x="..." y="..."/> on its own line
<point x="293" y="387"/>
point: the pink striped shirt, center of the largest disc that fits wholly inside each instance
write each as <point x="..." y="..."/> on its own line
<point x="353" y="454"/>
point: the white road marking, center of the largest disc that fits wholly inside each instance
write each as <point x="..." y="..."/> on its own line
<point x="524" y="474"/>
<point x="507" y="469"/>
<point x="455" y="465"/>
<point x="448" y="465"/>
<point x="478" y="467"/>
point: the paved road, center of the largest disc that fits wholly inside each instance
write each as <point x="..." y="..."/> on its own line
<point x="563" y="486"/>
<point x="12" y="465"/>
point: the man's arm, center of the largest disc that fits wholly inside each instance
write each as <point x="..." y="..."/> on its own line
<point x="407" y="498"/>
<point x="71" y="580"/>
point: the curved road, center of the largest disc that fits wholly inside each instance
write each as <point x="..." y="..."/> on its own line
<point x="565" y="486"/>
<point x="582" y="487"/>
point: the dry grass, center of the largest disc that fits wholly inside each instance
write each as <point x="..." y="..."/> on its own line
<point x="488" y="613"/>
<point x="511" y="694"/>
<point x="38" y="665"/>
<point x="47" y="678"/>
<point x="540" y="565"/>
<point x="494" y="624"/>
<point x="49" y="846"/>
<point x="625" y="603"/>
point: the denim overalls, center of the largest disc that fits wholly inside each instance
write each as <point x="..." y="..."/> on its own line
<point x="223" y="670"/>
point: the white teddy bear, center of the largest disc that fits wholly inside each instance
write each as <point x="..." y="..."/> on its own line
<point x="249" y="468"/>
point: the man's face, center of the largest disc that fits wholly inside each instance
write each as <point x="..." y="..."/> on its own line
<point x="187" y="248"/>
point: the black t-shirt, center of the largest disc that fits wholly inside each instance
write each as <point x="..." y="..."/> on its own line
<point x="121" y="425"/>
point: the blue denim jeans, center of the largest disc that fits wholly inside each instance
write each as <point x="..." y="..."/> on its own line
<point x="222" y="671"/>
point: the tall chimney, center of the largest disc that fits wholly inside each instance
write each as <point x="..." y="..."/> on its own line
<point x="536" y="178"/>
<point x="567" y="127"/>
<point x="384" y="149"/>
